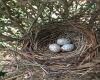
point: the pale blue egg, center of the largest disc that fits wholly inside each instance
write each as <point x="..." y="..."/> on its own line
<point x="67" y="47"/>
<point x="54" y="47"/>
<point x="63" y="41"/>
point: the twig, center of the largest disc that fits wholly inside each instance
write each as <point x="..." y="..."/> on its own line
<point x="86" y="72"/>
<point x="39" y="13"/>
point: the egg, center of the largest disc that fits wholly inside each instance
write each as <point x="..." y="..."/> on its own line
<point x="54" y="48"/>
<point x="62" y="41"/>
<point x="67" y="47"/>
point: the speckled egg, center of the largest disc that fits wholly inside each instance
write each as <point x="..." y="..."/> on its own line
<point x="67" y="47"/>
<point x="62" y="41"/>
<point x="54" y="48"/>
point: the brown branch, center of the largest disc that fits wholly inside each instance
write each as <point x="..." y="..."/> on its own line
<point x="66" y="10"/>
<point x="38" y="15"/>
<point x="98" y="5"/>
<point x="7" y="38"/>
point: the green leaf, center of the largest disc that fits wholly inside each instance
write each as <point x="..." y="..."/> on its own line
<point x="2" y="74"/>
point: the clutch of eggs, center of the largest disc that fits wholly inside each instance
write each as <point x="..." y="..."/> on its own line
<point x="54" y="47"/>
<point x="67" y="47"/>
<point x="62" y="41"/>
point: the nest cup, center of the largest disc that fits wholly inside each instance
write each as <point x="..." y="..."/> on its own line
<point x="81" y="36"/>
<point x="50" y="32"/>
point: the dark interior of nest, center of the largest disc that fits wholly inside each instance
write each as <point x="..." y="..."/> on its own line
<point x="50" y="36"/>
<point x="50" y="32"/>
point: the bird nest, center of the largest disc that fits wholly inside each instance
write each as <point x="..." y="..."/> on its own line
<point x="35" y="47"/>
<point x="83" y="38"/>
